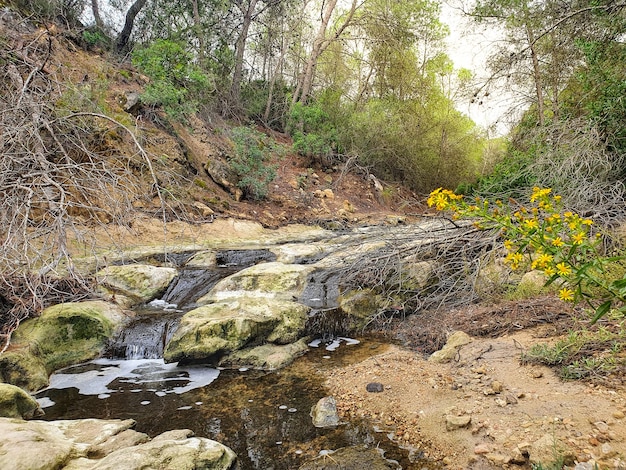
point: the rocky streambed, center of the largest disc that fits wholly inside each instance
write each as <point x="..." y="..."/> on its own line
<point x="244" y="304"/>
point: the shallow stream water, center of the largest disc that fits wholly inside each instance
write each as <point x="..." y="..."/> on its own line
<point x="263" y="416"/>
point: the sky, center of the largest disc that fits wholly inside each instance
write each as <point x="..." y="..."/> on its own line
<point x="469" y="48"/>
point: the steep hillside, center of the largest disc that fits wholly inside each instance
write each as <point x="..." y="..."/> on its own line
<point x="182" y="167"/>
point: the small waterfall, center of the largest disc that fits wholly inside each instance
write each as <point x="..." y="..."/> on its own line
<point x="145" y="337"/>
<point x="148" y="334"/>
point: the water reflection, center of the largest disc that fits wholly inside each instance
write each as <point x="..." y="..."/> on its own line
<point x="264" y="417"/>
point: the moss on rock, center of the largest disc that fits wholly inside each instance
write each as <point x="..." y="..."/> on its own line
<point x="16" y="403"/>
<point x="63" y="335"/>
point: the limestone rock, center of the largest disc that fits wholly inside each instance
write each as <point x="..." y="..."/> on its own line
<point x="454" y="422"/>
<point x="104" y="444"/>
<point x="16" y="403"/>
<point x="62" y="335"/>
<point x="215" y="330"/>
<point x="32" y="445"/>
<point x="139" y="283"/>
<point x="324" y="413"/>
<point x="451" y="348"/>
<point x="266" y="356"/>
<point x="186" y="453"/>
<point x="203" y="259"/>
<point x="265" y="280"/>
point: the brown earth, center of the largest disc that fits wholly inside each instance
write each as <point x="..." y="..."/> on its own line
<point x="484" y="409"/>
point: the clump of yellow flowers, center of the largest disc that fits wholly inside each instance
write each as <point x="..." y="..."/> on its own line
<point x="545" y="237"/>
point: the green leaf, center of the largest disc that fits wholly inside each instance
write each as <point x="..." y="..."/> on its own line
<point x="601" y="311"/>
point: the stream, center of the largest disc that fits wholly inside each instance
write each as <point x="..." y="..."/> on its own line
<point x="263" y="416"/>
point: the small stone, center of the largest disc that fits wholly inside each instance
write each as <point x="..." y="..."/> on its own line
<point x="457" y="422"/>
<point x="480" y="449"/>
<point x="511" y="400"/>
<point x="608" y="451"/>
<point x="496" y="386"/>
<point x="536" y="373"/>
<point x="593" y="441"/>
<point x="618" y="414"/>
<point x="498" y="459"/>
<point x="374" y="387"/>
<point x="601" y="426"/>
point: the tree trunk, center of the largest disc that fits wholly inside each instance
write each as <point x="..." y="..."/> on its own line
<point x="320" y="44"/>
<point x="536" y="76"/>
<point x="95" y="9"/>
<point x="197" y="26"/>
<point x="124" y="37"/>
<point x="235" y="90"/>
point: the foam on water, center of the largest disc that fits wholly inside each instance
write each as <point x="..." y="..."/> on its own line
<point x="97" y="377"/>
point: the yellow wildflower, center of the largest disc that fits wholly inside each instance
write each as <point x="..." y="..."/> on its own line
<point x="587" y="222"/>
<point x="563" y="269"/>
<point x="578" y="238"/>
<point x="566" y="294"/>
<point x="531" y="224"/>
<point x="508" y="244"/>
<point x="549" y="271"/>
<point x="542" y="261"/>
<point x="539" y="193"/>
<point x="558" y="241"/>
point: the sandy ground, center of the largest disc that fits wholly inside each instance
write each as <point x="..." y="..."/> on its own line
<point x="484" y="410"/>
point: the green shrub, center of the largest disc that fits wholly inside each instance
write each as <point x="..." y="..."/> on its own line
<point x="313" y="133"/>
<point x="253" y="152"/>
<point x="176" y="82"/>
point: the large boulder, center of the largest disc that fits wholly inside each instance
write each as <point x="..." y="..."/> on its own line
<point x="212" y="331"/>
<point x="104" y="444"/>
<point x="16" y="403"/>
<point x="271" y="280"/>
<point x="134" y="284"/>
<point x="62" y="335"/>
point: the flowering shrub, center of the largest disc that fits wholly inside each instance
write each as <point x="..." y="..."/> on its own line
<point x="545" y="237"/>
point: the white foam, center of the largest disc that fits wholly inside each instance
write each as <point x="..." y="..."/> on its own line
<point x="142" y="373"/>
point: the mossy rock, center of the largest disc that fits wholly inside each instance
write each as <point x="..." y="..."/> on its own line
<point x="212" y="331"/>
<point x="135" y="283"/>
<point x="265" y="280"/>
<point x="16" y="403"/>
<point x="266" y="356"/>
<point x="63" y="335"/>
<point x="21" y="368"/>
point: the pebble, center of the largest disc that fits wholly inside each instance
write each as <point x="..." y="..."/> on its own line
<point x="618" y="414"/>
<point x="497" y="386"/>
<point x="601" y="426"/>
<point x="482" y="449"/>
<point x="374" y="387"/>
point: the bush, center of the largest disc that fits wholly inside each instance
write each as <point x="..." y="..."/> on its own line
<point x="313" y="133"/>
<point x="176" y="82"/>
<point x="253" y="152"/>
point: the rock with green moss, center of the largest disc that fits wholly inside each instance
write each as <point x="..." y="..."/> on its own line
<point x="213" y="331"/>
<point x="359" y="306"/>
<point x="16" y="403"/>
<point x="21" y="368"/>
<point x="265" y="357"/>
<point x="134" y="284"/>
<point x="62" y="335"/>
<point x="271" y="280"/>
